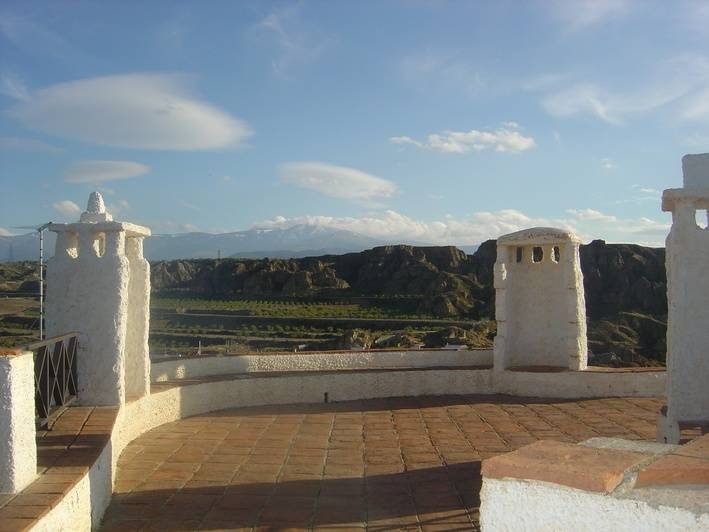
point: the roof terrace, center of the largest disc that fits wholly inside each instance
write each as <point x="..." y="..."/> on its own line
<point x="524" y="436"/>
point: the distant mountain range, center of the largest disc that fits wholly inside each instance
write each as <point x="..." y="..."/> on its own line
<point x="293" y="242"/>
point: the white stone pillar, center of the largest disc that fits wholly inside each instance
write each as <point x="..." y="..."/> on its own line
<point x="137" y="358"/>
<point x="18" y="458"/>
<point x="687" y="257"/>
<point x="500" y="284"/>
<point x="90" y="280"/>
<point x="539" y="301"/>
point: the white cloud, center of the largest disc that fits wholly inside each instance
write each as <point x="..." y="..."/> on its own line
<point x="394" y="227"/>
<point x="580" y="99"/>
<point x="591" y="215"/>
<point x="697" y="107"/>
<point x="504" y="139"/>
<point x="641" y="194"/>
<point x="14" y="87"/>
<point x="28" y="145"/>
<point x="294" y="45"/>
<point x="336" y="181"/>
<point x="612" y="107"/>
<point x="436" y="69"/>
<point x="679" y="83"/>
<point x="141" y="111"/>
<point x="117" y="208"/>
<point x="581" y="14"/>
<point x="100" y="171"/>
<point x="647" y="190"/>
<point x="33" y="38"/>
<point x="607" y="163"/>
<point x="4" y="232"/>
<point x="188" y="228"/>
<point x="698" y="142"/>
<point x="66" y="208"/>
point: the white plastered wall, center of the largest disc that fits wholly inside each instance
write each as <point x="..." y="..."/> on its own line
<point x="98" y="284"/>
<point x="137" y="378"/>
<point x="540" y="308"/>
<point x="533" y="506"/>
<point x="18" y="458"/>
<point x="306" y="361"/>
<point x="88" y="293"/>
<point x="687" y="256"/>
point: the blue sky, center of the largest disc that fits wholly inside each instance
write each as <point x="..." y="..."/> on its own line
<point x="420" y="121"/>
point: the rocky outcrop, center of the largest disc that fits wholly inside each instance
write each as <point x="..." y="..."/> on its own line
<point x="623" y="277"/>
<point x="625" y="286"/>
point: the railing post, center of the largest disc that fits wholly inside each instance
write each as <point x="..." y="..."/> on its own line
<point x="18" y="459"/>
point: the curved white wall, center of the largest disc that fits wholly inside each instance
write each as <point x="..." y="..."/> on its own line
<point x="349" y="360"/>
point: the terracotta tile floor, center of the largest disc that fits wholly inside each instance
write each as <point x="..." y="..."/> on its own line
<point x="411" y="463"/>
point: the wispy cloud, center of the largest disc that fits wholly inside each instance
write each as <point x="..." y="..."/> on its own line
<point x="591" y="215"/>
<point x="31" y="37"/>
<point x="581" y="14"/>
<point x="607" y="163"/>
<point x="443" y="69"/>
<point x="336" y="181"/>
<point x="11" y="85"/>
<point x="28" y="145"/>
<point x="100" y="171"/>
<point x="294" y="44"/>
<point x="679" y="84"/>
<point x="188" y="228"/>
<point x="504" y="139"/>
<point x="392" y="226"/>
<point x="189" y="205"/>
<point x="142" y="111"/>
<point x="640" y="194"/>
<point x="66" y="208"/>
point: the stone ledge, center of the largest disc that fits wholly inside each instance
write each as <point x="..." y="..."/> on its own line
<point x="11" y="352"/>
<point x="65" y="455"/>
<point x="687" y="465"/>
<point x="584" y="468"/>
<point x="175" y="383"/>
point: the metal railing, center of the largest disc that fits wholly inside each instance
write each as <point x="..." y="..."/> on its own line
<point x="54" y="376"/>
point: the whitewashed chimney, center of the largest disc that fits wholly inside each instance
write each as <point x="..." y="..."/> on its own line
<point x="98" y="284"/>
<point x="539" y="301"/>
<point x="687" y="257"/>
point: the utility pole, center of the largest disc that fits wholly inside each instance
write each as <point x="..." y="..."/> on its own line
<point x="41" y="230"/>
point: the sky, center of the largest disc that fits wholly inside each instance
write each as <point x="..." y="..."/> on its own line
<point x="433" y="121"/>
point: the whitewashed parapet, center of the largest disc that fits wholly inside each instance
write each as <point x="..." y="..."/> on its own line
<point x="687" y="256"/>
<point x="98" y="283"/>
<point x="539" y="300"/>
<point x="18" y="459"/>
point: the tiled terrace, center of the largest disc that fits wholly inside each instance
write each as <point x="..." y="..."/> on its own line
<point x="410" y="463"/>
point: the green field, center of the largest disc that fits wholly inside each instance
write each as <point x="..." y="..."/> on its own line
<point x="180" y="325"/>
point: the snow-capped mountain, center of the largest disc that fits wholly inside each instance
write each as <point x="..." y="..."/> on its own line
<point x="296" y="241"/>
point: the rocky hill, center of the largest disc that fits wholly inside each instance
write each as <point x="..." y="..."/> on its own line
<point x="625" y="287"/>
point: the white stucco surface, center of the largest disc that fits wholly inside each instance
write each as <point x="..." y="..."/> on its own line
<point x="695" y="172"/>
<point x="89" y="290"/>
<point x="137" y="377"/>
<point x="225" y="365"/>
<point x="522" y="505"/>
<point x="580" y="384"/>
<point x="540" y="308"/>
<point x="687" y="255"/>
<point x="18" y="457"/>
